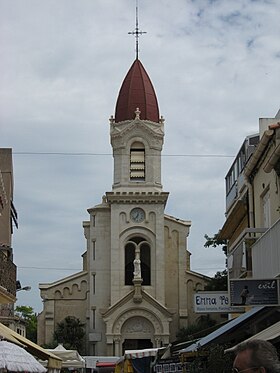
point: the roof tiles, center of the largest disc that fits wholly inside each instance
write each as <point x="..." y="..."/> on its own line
<point x="137" y="91"/>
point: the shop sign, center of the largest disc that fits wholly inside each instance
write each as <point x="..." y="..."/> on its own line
<point x="262" y="292"/>
<point x="206" y="302"/>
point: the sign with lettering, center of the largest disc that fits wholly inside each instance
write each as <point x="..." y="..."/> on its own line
<point x="217" y="301"/>
<point x="254" y="292"/>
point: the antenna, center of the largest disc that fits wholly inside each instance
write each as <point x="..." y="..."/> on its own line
<point x="136" y="32"/>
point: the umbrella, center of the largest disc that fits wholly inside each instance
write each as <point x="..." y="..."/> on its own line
<point x="16" y="359"/>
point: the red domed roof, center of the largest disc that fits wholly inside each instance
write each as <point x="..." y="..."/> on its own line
<point x="137" y="91"/>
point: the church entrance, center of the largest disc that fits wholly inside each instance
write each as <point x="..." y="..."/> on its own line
<point x="136" y="344"/>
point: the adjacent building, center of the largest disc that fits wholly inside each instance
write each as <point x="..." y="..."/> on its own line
<point x="8" y="218"/>
<point x="136" y="287"/>
<point x="252" y="225"/>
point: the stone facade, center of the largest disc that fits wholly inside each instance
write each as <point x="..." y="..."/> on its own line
<point x="136" y="289"/>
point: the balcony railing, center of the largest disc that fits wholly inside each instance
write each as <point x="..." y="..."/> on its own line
<point x="7" y="273"/>
<point x="266" y="253"/>
<point x="240" y="254"/>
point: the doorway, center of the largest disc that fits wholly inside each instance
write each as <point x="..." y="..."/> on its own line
<point x="136" y="344"/>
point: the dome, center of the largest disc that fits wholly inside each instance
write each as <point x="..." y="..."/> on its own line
<point x="137" y="91"/>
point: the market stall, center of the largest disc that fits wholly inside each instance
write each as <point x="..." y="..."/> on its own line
<point x="139" y="361"/>
<point x="70" y="358"/>
<point x="53" y="363"/>
<point x="14" y="358"/>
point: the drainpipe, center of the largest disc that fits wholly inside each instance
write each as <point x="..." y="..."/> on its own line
<point x="250" y="202"/>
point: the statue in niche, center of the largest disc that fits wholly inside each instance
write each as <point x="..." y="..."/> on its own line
<point x="137" y="267"/>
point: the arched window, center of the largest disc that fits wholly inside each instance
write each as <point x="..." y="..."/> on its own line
<point x="137" y="162"/>
<point x="145" y="259"/>
<point x="129" y="257"/>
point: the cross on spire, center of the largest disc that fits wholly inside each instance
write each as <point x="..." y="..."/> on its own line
<point x="137" y="32"/>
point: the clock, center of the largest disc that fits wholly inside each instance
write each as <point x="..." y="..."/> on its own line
<point x="137" y="215"/>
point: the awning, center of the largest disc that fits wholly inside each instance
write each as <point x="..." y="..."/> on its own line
<point x="269" y="334"/>
<point x="6" y="296"/>
<point x="141" y="360"/>
<point x="14" y="358"/>
<point x="35" y="350"/>
<point x="70" y="358"/>
<point x="138" y="354"/>
<point x="222" y="330"/>
<point x="106" y="364"/>
<point x="233" y="220"/>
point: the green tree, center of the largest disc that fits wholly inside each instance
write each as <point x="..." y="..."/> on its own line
<point x="216" y="241"/>
<point x="30" y="318"/>
<point x="70" y="332"/>
<point x="204" y="322"/>
<point x="219" y="282"/>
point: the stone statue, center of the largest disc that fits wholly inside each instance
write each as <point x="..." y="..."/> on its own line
<point x="137" y="268"/>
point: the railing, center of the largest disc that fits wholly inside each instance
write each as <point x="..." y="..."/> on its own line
<point x="231" y="196"/>
<point x="240" y="254"/>
<point x="7" y="273"/>
<point x="266" y="253"/>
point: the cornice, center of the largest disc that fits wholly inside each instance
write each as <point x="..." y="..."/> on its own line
<point x="137" y="197"/>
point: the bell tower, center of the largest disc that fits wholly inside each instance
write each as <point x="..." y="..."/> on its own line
<point x="137" y="134"/>
<point x="137" y="200"/>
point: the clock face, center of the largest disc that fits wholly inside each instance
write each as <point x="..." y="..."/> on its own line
<point x="137" y="215"/>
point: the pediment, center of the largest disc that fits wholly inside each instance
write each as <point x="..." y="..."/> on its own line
<point x="126" y="313"/>
<point x="136" y="127"/>
<point x="127" y="303"/>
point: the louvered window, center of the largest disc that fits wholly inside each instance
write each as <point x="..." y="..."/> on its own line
<point x="137" y="164"/>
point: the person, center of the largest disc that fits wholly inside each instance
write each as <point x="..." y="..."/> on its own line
<point x="256" y="355"/>
<point x="244" y="294"/>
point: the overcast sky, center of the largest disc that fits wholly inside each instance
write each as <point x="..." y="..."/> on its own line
<point x="215" y="68"/>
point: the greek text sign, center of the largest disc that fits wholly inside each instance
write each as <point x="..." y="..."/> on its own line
<point x="206" y="302"/>
<point x="254" y="292"/>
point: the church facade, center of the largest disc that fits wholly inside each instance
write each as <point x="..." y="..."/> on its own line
<point x="136" y="287"/>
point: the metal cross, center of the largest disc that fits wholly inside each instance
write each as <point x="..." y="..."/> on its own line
<point x="136" y="32"/>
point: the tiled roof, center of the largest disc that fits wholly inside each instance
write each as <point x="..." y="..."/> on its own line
<point x="137" y="91"/>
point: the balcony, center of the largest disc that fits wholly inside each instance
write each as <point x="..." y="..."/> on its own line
<point x="240" y="254"/>
<point x="266" y="253"/>
<point x="7" y="277"/>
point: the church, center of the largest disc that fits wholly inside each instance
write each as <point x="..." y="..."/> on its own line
<point x="136" y="287"/>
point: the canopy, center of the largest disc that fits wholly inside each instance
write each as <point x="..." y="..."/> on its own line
<point x="235" y="323"/>
<point x="105" y="364"/>
<point x="36" y="350"/>
<point x="14" y="358"/>
<point x="139" y="361"/>
<point x="70" y="358"/>
<point x="269" y="334"/>
<point x="137" y="354"/>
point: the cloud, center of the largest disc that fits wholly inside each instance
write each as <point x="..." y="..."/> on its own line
<point x="215" y="68"/>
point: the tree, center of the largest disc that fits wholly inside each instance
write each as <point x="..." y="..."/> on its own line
<point x="203" y="323"/>
<point x="219" y="282"/>
<point x="28" y="315"/>
<point x="70" y="332"/>
<point x="216" y="241"/>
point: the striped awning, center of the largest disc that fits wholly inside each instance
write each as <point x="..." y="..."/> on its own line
<point x="34" y="349"/>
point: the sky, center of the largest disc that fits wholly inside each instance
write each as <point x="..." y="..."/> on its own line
<point x="215" y="66"/>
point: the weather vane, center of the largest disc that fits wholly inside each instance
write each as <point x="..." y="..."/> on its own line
<point x="136" y="32"/>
